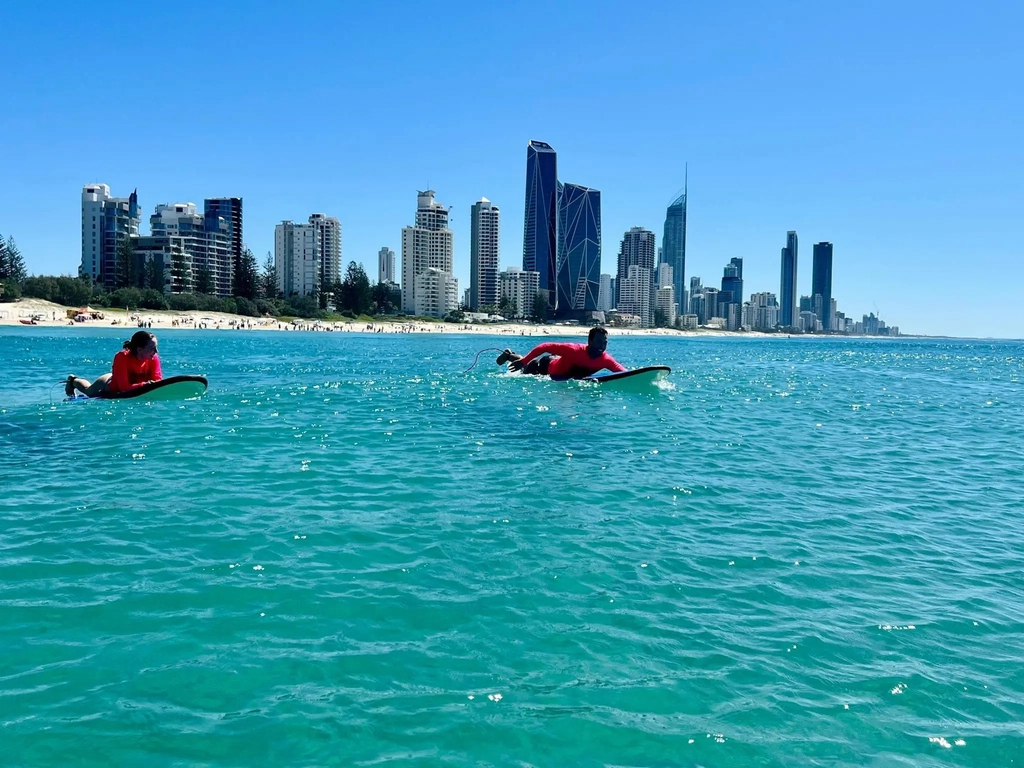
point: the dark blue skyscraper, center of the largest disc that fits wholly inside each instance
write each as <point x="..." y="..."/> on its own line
<point x="579" y="250"/>
<point x="821" y="282"/>
<point x="540" y="252"/>
<point x="673" y="244"/>
<point x="732" y="283"/>
<point x="787" y="289"/>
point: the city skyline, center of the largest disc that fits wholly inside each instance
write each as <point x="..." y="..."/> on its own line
<point x="870" y="182"/>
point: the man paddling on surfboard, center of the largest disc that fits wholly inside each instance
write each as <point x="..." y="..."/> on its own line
<point x="565" y="361"/>
<point x="136" y="365"/>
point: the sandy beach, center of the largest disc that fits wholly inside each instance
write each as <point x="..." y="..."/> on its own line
<point x="46" y="314"/>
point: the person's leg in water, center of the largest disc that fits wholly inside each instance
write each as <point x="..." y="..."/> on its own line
<point x="88" y="389"/>
<point x="536" y="367"/>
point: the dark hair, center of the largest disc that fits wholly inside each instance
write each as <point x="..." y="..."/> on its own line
<point x="597" y="329"/>
<point x="138" y="340"/>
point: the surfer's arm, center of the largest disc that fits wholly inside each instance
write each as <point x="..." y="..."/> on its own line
<point x="612" y="364"/>
<point x="157" y="373"/>
<point x="549" y="347"/>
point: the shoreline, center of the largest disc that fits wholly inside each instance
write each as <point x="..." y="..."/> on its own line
<point x="50" y="315"/>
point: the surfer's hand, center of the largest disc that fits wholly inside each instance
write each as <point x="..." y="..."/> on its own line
<point x="515" y="365"/>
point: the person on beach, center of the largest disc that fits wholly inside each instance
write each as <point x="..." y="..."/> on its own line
<point x="135" y="365"/>
<point x="565" y="361"/>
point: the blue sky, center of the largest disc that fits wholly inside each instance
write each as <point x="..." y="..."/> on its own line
<point x="893" y="130"/>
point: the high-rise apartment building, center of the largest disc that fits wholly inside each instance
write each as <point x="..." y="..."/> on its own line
<point x="484" y="254"/>
<point x="636" y="249"/>
<point x="635" y="294"/>
<point x="604" y="293"/>
<point x="674" y="240"/>
<point x="106" y="221"/>
<point x="229" y="209"/>
<point x="579" y="251"/>
<point x="426" y="245"/>
<point x="385" y="265"/>
<point x="821" y="283"/>
<point x="787" y="289"/>
<point x="328" y="232"/>
<point x="204" y="241"/>
<point x="297" y="259"/>
<point x="521" y="287"/>
<point x="540" y="229"/>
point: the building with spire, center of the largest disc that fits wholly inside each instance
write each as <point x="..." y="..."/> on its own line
<point x="788" y="316"/>
<point x="673" y="242"/>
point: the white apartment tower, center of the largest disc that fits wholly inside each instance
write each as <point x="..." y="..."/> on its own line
<point x="427" y="245"/>
<point x="604" y="294"/>
<point x="328" y="232"/>
<point x="484" y="252"/>
<point x="297" y="258"/>
<point x="522" y="287"/>
<point x="385" y="265"/>
<point x="635" y="295"/>
<point x="105" y="221"/>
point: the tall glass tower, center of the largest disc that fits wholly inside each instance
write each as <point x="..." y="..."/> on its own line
<point x="821" y="282"/>
<point x="540" y="228"/>
<point x="787" y="288"/>
<point x="673" y="243"/>
<point x="579" y="251"/>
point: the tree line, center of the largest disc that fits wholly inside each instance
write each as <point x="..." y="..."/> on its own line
<point x="255" y="290"/>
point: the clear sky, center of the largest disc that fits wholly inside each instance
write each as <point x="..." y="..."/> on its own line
<point x="894" y="130"/>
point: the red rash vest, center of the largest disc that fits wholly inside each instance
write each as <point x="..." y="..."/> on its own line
<point x="130" y="372"/>
<point x="571" y="361"/>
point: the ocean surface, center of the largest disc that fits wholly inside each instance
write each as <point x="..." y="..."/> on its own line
<point x="352" y="552"/>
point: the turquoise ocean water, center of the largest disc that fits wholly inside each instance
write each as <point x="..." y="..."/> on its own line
<point x="802" y="552"/>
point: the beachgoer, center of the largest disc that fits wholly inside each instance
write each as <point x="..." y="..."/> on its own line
<point x="135" y="365"/>
<point x="565" y="361"/>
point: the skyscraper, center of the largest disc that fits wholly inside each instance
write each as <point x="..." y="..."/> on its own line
<point x="427" y="245"/>
<point x="484" y="252"/>
<point x="787" y="289"/>
<point x="579" y="251"/>
<point x="540" y="228"/>
<point x="821" y="282"/>
<point x="674" y="240"/>
<point x="520" y="288"/>
<point x="229" y="209"/>
<point x="635" y="296"/>
<point x="604" y="294"/>
<point x="106" y="221"/>
<point x="732" y="283"/>
<point x="637" y="249"/>
<point x="204" y="240"/>
<point x="385" y="265"/>
<point x="328" y="231"/>
<point x="297" y="259"/>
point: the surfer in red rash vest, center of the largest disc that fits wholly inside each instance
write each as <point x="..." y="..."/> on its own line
<point x="565" y="361"/>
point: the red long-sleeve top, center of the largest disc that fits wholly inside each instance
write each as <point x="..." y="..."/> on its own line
<point x="571" y="361"/>
<point x="130" y="372"/>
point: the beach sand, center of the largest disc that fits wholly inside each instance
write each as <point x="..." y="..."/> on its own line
<point x="50" y="315"/>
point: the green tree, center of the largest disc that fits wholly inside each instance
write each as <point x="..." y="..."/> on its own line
<point x="154" y="275"/>
<point x="507" y="306"/>
<point x="124" y="264"/>
<point x="247" y="277"/>
<point x="12" y="263"/>
<point x="660" y="318"/>
<point x="541" y="310"/>
<point x="387" y="299"/>
<point x="268" y="278"/>
<point x="181" y="274"/>
<point x="204" y="280"/>
<point x="355" y="294"/>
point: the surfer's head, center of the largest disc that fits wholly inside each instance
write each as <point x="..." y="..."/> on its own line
<point x="597" y="341"/>
<point x="142" y="345"/>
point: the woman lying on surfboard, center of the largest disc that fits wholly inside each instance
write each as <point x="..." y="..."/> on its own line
<point x="136" y="365"/>
<point x="565" y="361"/>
